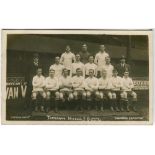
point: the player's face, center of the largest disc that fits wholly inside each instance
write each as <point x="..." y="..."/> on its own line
<point x="107" y="59"/>
<point x="123" y="61"/>
<point x="77" y="57"/>
<point x="91" y="59"/>
<point x="126" y="74"/>
<point x="78" y="72"/>
<point x="91" y="73"/>
<point x="39" y="72"/>
<point x="67" y="48"/>
<point x="57" y="60"/>
<point x="51" y="73"/>
<point x="65" y="72"/>
<point x="84" y="47"/>
<point x="102" y="47"/>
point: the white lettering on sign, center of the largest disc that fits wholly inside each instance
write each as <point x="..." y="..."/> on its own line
<point x="23" y="89"/>
<point x="141" y="85"/>
<point x="16" y="92"/>
<point x="10" y="93"/>
<point x="16" y="88"/>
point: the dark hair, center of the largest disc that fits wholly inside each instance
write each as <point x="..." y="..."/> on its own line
<point x="39" y="67"/>
<point x="77" y="53"/>
<point x="51" y="69"/>
<point x="78" y="69"/>
<point x="92" y="70"/>
<point x="64" y="69"/>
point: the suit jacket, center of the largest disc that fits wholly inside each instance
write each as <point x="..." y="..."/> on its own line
<point x="121" y="69"/>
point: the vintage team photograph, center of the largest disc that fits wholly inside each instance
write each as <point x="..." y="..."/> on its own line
<point x="76" y="77"/>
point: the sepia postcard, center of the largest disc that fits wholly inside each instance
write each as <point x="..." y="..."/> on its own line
<point x="77" y="76"/>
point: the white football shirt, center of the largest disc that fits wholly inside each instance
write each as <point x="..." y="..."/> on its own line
<point x="127" y="84"/>
<point x="67" y="59"/>
<point x="100" y="59"/>
<point x="89" y="66"/>
<point x="78" y="82"/>
<point x="51" y="83"/>
<point x="116" y="83"/>
<point x="38" y="83"/>
<point x="91" y="84"/>
<point x="77" y="65"/>
<point x="104" y="83"/>
<point x="58" y="69"/>
<point x="109" y="69"/>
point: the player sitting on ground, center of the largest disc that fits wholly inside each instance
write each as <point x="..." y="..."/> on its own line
<point x="77" y="64"/>
<point x="90" y="65"/>
<point x="52" y="93"/>
<point x="116" y="86"/>
<point x="91" y="87"/>
<point x="38" y="93"/>
<point x="65" y="84"/>
<point x="104" y="89"/>
<point x="78" y="88"/>
<point x="128" y="92"/>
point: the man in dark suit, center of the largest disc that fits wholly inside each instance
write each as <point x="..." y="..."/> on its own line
<point x="122" y="67"/>
<point x="84" y="54"/>
<point x="32" y="65"/>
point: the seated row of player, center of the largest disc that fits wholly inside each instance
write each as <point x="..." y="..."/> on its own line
<point x="116" y="90"/>
<point x="85" y="61"/>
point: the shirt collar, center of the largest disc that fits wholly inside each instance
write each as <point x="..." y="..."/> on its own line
<point x="39" y="76"/>
<point x="102" y="52"/>
<point x="68" y="52"/>
<point x="108" y="64"/>
<point x="78" y="62"/>
<point x="57" y="64"/>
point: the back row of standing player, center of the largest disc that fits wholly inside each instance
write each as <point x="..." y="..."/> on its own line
<point x="85" y="61"/>
<point x="82" y="60"/>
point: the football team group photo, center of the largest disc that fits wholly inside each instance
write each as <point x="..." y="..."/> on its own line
<point x="77" y="77"/>
<point x="83" y="82"/>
